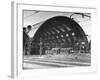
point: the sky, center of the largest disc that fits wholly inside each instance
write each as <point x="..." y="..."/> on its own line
<point x="32" y="17"/>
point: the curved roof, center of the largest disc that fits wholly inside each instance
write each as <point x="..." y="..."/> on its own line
<point x="59" y="29"/>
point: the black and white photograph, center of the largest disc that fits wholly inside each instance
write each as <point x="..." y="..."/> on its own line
<point x="56" y="39"/>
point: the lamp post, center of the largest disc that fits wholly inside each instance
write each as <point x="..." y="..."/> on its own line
<point x="41" y="46"/>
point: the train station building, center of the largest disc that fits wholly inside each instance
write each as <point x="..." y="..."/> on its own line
<point x="57" y="33"/>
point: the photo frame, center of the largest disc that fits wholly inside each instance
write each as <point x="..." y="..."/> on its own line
<point x="23" y="10"/>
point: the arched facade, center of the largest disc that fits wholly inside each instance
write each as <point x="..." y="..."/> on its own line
<point x="58" y="32"/>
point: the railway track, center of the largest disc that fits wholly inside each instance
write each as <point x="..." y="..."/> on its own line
<point x="44" y="62"/>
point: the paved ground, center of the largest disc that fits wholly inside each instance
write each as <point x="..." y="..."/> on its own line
<point x="55" y="61"/>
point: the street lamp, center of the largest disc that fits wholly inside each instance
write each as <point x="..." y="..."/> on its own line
<point x="41" y="46"/>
